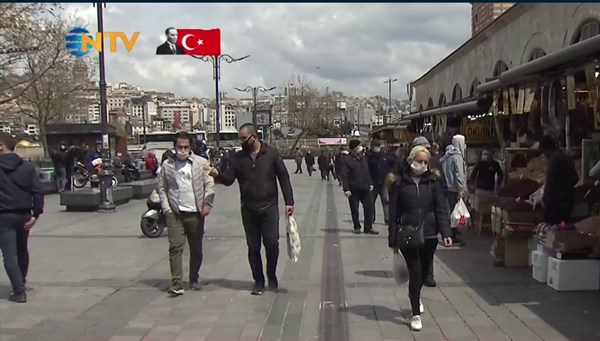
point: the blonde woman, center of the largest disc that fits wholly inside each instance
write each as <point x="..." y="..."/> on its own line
<point x="418" y="213"/>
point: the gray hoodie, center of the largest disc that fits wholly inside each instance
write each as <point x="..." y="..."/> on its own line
<point x="454" y="165"/>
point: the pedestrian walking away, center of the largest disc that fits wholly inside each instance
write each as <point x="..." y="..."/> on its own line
<point x="186" y="195"/>
<point x="357" y="186"/>
<point x="339" y="158"/>
<point x="257" y="168"/>
<point x="309" y="159"/>
<point x="379" y="167"/>
<point x="60" y="162"/>
<point x="417" y="204"/>
<point x="298" y="158"/>
<point x="323" y="161"/>
<point x="21" y="204"/>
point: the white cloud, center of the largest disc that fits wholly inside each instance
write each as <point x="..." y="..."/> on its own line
<point x="349" y="47"/>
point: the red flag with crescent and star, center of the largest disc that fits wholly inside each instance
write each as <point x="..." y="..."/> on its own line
<point x="198" y="42"/>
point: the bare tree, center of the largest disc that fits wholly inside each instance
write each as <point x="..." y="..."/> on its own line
<point x="22" y="28"/>
<point x="307" y="106"/>
<point x="60" y="80"/>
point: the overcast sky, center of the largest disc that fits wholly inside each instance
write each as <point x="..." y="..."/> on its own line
<point x="349" y="47"/>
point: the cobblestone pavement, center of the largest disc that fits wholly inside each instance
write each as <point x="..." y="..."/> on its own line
<point x="95" y="278"/>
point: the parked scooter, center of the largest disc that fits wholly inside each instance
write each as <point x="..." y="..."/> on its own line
<point x="82" y="175"/>
<point x="153" y="221"/>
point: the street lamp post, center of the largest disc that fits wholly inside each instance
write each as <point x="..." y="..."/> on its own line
<point x="255" y="90"/>
<point x="216" y="62"/>
<point x="107" y="205"/>
<point x="389" y="83"/>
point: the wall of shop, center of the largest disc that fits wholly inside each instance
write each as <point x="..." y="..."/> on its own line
<point x="511" y="39"/>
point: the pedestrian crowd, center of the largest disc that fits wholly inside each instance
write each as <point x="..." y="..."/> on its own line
<point x="417" y="186"/>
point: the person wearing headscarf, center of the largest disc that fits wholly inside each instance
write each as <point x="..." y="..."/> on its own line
<point x="454" y="167"/>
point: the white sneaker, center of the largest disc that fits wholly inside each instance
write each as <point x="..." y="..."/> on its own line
<point x="421" y="307"/>
<point x="415" y="323"/>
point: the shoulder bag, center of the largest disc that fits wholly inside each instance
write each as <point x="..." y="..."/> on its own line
<point x="410" y="236"/>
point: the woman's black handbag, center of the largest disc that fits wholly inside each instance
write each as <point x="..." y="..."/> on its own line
<point x="409" y="236"/>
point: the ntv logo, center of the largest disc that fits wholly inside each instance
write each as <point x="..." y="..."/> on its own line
<point x="79" y="42"/>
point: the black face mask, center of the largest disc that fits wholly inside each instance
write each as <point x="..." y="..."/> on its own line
<point x="247" y="145"/>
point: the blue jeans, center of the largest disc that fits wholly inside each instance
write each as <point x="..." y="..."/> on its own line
<point x="60" y="176"/>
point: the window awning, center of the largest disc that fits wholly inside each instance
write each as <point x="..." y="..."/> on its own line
<point x="585" y="49"/>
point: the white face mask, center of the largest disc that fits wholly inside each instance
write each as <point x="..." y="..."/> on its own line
<point x="183" y="156"/>
<point x="359" y="149"/>
<point x="376" y="149"/>
<point x="418" y="168"/>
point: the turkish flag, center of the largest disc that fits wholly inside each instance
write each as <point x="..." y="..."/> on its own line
<point x="199" y="42"/>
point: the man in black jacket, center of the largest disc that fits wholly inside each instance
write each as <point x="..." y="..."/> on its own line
<point x="559" y="189"/>
<point x="257" y="167"/>
<point x="357" y="185"/>
<point x="379" y="167"/>
<point x="21" y="203"/>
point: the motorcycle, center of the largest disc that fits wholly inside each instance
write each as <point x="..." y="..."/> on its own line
<point x="153" y="221"/>
<point x="82" y="175"/>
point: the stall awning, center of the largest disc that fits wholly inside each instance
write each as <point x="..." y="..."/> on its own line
<point x="470" y="106"/>
<point x="582" y="50"/>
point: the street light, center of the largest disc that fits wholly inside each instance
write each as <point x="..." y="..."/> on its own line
<point x="107" y="205"/>
<point x="255" y="90"/>
<point x="389" y="82"/>
<point x="216" y="62"/>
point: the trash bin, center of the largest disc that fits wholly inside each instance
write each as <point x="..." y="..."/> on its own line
<point x="47" y="174"/>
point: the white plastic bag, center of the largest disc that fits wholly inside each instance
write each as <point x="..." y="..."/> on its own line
<point x="536" y="197"/>
<point x="154" y="197"/>
<point x="293" y="239"/>
<point x="400" y="269"/>
<point x="460" y="215"/>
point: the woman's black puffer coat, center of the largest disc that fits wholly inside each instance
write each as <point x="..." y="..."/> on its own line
<point x="413" y="204"/>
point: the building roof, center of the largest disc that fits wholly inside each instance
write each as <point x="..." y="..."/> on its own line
<point x="502" y="21"/>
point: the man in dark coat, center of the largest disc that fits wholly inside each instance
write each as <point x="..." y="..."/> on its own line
<point x="357" y="185"/>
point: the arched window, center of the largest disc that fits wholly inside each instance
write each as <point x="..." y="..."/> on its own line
<point x="473" y="88"/>
<point x="430" y="103"/>
<point x="456" y="93"/>
<point x="420" y="107"/>
<point x="499" y="68"/>
<point x="537" y="53"/>
<point x="442" y="100"/>
<point x="588" y="29"/>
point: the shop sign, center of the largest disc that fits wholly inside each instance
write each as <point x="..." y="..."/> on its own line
<point x="479" y="131"/>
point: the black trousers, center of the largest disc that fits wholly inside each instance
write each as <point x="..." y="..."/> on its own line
<point x="298" y="167"/>
<point x="325" y="174"/>
<point x="262" y="226"/>
<point x="363" y="197"/>
<point x="23" y="251"/>
<point x="418" y="261"/>
<point x="310" y="169"/>
<point x="10" y="223"/>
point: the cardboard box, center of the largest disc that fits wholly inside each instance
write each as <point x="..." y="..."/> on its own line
<point x="573" y="274"/>
<point x="539" y="260"/>
<point x="516" y="252"/>
<point x="568" y="241"/>
<point x="590" y="227"/>
<point x="530" y="217"/>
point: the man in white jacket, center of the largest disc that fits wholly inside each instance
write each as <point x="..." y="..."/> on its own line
<point x="455" y="172"/>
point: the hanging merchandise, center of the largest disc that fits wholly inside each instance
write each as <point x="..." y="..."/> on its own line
<point x="544" y="119"/>
<point x="530" y="96"/>
<point x="505" y="103"/>
<point x="494" y="107"/>
<point x="520" y="100"/>
<point x="534" y="117"/>
<point x="571" y="101"/>
<point x="513" y="101"/>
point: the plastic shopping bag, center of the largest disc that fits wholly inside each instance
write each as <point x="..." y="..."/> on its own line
<point x="460" y="215"/>
<point x="400" y="269"/>
<point x="293" y="239"/>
